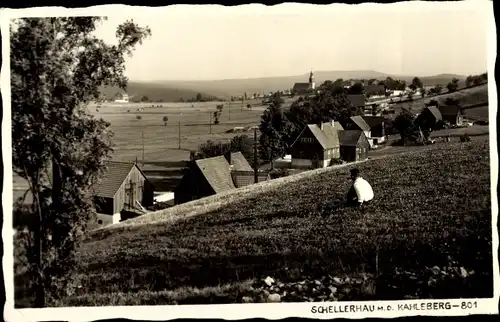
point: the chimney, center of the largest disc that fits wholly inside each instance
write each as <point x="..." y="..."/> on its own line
<point x="321" y="126"/>
<point x="332" y="122"/>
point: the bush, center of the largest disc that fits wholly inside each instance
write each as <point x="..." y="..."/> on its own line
<point x="279" y="173"/>
<point x="336" y="161"/>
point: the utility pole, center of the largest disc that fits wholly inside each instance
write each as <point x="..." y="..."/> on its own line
<point x="229" y="110"/>
<point x="210" y="122"/>
<point x="255" y="168"/>
<point x="179" y="134"/>
<point x="143" y="149"/>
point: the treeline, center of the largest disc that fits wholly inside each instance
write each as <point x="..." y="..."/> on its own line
<point x="201" y="98"/>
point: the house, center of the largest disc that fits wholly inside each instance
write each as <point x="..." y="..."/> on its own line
<point x="206" y="177"/>
<point x="358" y="101"/>
<point x="316" y="145"/>
<point x="429" y="118"/>
<point x="452" y="114"/>
<point x="354" y="145"/>
<point x="377" y="129"/>
<point x="123" y="188"/>
<point x="357" y="122"/>
<point x="304" y="88"/>
<point x="125" y="99"/>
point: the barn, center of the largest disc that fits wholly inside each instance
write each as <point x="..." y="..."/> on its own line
<point x="123" y="188"/>
<point x="354" y="145"/>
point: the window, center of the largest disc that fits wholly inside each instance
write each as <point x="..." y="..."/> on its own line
<point x="99" y="222"/>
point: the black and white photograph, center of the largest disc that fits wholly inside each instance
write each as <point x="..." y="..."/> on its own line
<point x="296" y="160"/>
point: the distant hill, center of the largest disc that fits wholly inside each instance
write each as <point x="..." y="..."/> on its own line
<point x="154" y="91"/>
<point x="228" y="87"/>
<point x="224" y="88"/>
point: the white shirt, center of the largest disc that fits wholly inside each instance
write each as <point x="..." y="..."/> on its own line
<point x="363" y="190"/>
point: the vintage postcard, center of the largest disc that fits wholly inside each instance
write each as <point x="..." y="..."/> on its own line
<point x="251" y="161"/>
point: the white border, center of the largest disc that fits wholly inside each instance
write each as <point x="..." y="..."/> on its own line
<point x="236" y="311"/>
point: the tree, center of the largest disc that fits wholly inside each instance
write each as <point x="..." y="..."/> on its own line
<point x="199" y="97"/>
<point x="438" y="89"/>
<point x="453" y="85"/>
<point x="138" y="117"/>
<point x="144" y="99"/>
<point x="356" y="89"/>
<point x="51" y="84"/>
<point x="274" y="128"/>
<point x="405" y="124"/>
<point x="249" y="106"/>
<point x="416" y="83"/>
<point x="324" y="107"/>
<point x="469" y="81"/>
<point x="165" y="120"/>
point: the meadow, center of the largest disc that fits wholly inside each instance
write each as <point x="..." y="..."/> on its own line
<point x="466" y="96"/>
<point x="431" y="217"/>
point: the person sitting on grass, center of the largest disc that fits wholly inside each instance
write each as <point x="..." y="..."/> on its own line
<point x="361" y="191"/>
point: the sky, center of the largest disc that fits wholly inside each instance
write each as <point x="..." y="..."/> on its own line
<point x="213" y="42"/>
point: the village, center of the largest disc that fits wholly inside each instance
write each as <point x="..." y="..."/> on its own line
<point x="125" y="191"/>
<point x="271" y="170"/>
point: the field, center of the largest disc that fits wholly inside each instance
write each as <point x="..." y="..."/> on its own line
<point x="432" y="210"/>
<point x="163" y="157"/>
<point x="468" y="96"/>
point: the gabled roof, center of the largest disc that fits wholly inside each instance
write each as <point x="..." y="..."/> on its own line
<point x="449" y="110"/>
<point x="350" y="137"/>
<point x="217" y="172"/>
<point x="112" y="178"/>
<point x="360" y="122"/>
<point x="435" y="111"/>
<point x="328" y="137"/>
<point x="301" y="86"/>
<point x="357" y="100"/>
<point x="239" y="162"/>
<point x="374" y="121"/>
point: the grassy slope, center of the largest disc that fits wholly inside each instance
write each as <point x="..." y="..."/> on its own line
<point x="432" y="207"/>
<point x="468" y="96"/>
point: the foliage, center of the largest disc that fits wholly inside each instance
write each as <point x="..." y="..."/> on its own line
<point x="274" y="130"/>
<point x="54" y="136"/>
<point x="453" y="85"/>
<point x="165" y="120"/>
<point x="405" y="124"/>
<point x="239" y="143"/>
<point x="330" y="104"/>
<point x="416" y="83"/>
<point x="416" y="223"/>
<point x="356" y="89"/>
<point x="138" y="117"/>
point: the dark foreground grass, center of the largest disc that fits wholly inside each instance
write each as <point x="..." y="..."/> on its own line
<point x="432" y="207"/>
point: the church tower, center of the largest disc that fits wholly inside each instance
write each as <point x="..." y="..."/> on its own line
<point x="312" y="85"/>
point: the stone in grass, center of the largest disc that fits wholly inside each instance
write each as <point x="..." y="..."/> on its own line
<point x="435" y="270"/>
<point x="274" y="298"/>
<point x="269" y="281"/>
<point x="337" y="281"/>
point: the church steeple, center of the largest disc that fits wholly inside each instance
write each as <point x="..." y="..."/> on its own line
<point x="312" y="85"/>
